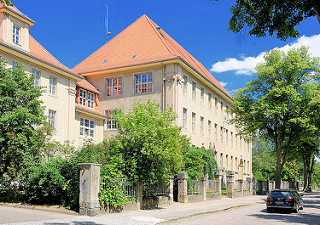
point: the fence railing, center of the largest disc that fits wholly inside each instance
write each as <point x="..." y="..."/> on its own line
<point x="194" y="188"/>
<point x="211" y="186"/>
<point x="129" y="189"/>
<point x="155" y="189"/>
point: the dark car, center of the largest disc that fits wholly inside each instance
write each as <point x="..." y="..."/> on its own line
<point x="284" y="199"/>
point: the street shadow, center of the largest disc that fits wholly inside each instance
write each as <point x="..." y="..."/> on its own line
<point x="75" y="223"/>
<point x="288" y="217"/>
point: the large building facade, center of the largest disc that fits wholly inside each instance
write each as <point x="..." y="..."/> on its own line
<point x="141" y="62"/>
<point x="144" y="62"/>
<point x="71" y="120"/>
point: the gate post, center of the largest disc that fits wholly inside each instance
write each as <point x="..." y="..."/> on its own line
<point x="89" y="189"/>
<point x="203" y="188"/>
<point x="182" y="187"/>
<point x="230" y="183"/>
<point x="218" y="177"/>
<point x="171" y="179"/>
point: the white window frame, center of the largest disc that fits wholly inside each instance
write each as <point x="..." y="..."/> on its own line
<point x="52" y="118"/>
<point x="185" y="85"/>
<point x="87" y="128"/>
<point x="193" y="121"/>
<point x="91" y="97"/>
<point x="201" y="125"/>
<point x="16" y="31"/>
<point x="202" y="96"/>
<point x="194" y="91"/>
<point x="110" y="123"/>
<point x="216" y="132"/>
<point x="53" y="85"/>
<point x="209" y="128"/>
<point x="36" y="74"/>
<point x="209" y="101"/>
<point x="83" y="97"/>
<point x="146" y="79"/>
<point x="114" y="86"/>
<point x="184" y="118"/>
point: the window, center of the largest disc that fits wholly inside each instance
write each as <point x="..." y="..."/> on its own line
<point x="83" y="97"/>
<point x="231" y="140"/>
<point x="209" y="128"/>
<point x="221" y="108"/>
<point x="194" y="86"/>
<point x="221" y="160"/>
<point x="227" y="136"/>
<point x="244" y="166"/>
<point x="36" y="74"/>
<point x="86" y="128"/>
<point x="193" y="122"/>
<point x="16" y="34"/>
<point x="227" y="113"/>
<point x="227" y="166"/>
<point x="90" y="100"/>
<point x="14" y="65"/>
<point x="185" y="82"/>
<point x="52" y="118"/>
<point x="248" y="170"/>
<point x="231" y="163"/>
<point x="236" y="139"/>
<point x="236" y="163"/>
<point x="202" y="96"/>
<point x="114" y="86"/>
<point x="111" y="123"/>
<point x="221" y="134"/>
<point x="201" y="125"/>
<point x="53" y="86"/>
<point x="215" y="132"/>
<point x="143" y="83"/>
<point x="216" y="105"/>
<point x="209" y="101"/>
<point x="184" y="118"/>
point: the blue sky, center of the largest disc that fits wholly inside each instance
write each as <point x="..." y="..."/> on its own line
<point x="71" y="30"/>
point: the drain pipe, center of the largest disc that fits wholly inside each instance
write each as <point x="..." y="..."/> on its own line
<point x="163" y="89"/>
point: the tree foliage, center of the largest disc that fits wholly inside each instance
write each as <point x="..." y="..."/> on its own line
<point x="264" y="17"/>
<point x="150" y="145"/>
<point x="22" y="122"/>
<point x="275" y="102"/>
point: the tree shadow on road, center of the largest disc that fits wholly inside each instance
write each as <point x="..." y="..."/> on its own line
<point x="75" y="223"/>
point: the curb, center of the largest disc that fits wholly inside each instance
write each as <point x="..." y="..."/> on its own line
<point x="209" y="212"/>
<point x="41" y="208"/>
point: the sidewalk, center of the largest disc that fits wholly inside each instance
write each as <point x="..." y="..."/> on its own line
<point x="163" y="215"/>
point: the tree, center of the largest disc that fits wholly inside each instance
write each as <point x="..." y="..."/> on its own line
<point x="273" y="104"/>
<point x="7" y="2"/>
<point x="150" y="145"/>
<point x="268" y="17"/>
<point x="22" y="130"/>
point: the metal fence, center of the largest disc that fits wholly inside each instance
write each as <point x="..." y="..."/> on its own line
<point x="129" y="189"/>
<point x="155" y="189"/>
<point x="211" y="186"/>
<point x="194" y="188"/>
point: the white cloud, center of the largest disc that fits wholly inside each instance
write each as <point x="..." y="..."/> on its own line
<point x="246" y="65"/>
<point x="224" y="84"/>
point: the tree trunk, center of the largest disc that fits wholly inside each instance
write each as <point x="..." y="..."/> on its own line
<point x="279" y="167"/>
<point x="307" y="164"/>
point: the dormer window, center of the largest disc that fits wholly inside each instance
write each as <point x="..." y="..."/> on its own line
<point x="86" y="99"/>
<point x="16" y="34"/>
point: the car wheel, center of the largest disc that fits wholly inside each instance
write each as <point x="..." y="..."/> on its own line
<point x="269" y="210"/>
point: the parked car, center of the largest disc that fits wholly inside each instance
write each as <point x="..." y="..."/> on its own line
<point x="284" y="199"/>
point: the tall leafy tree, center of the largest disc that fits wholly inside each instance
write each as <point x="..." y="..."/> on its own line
<point x="274" y="102"/>
<point x="267" y="17"/>
<point x="22" y="130"/>
<point x="150" y="145"/>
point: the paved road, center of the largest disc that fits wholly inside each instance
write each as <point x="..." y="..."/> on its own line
<point x="257" y="214"/>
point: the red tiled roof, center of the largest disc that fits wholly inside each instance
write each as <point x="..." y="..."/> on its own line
<point x="38" y="51"/>
<point x="85" y="84"/>
<point x="139" y="43"/>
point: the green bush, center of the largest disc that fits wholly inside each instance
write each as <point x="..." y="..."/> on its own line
<point x="55" y="181"/>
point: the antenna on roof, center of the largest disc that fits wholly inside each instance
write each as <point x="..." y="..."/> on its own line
<point x="106" y="20"/>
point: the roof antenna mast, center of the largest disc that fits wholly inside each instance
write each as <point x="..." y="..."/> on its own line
<point x="106" y="20"/>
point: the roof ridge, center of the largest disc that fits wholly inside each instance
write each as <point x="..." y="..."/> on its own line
<point x="159" y="35"/>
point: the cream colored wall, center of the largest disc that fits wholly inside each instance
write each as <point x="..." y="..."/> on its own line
<point x="202" y="109"/>
<point x="128" y="97"/>
<point x="98" y="129"/>
<point x="7" y="28"/>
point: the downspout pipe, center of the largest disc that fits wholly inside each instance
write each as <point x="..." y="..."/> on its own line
<point x="163" y="87"/>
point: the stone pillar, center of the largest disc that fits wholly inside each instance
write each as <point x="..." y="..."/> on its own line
<point x="171" y="180"/>
<point x="254" y="184"/>
<point x="203" y="188"/>
<point x="218" y="177"/>
<point x="89" y="189"/>
<point x="249" y="180"/>
<point x="182" y="187"/>
<point x="241" y="186"/>
<point x="139" y="193"/>
<point x="230" y="183"/>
